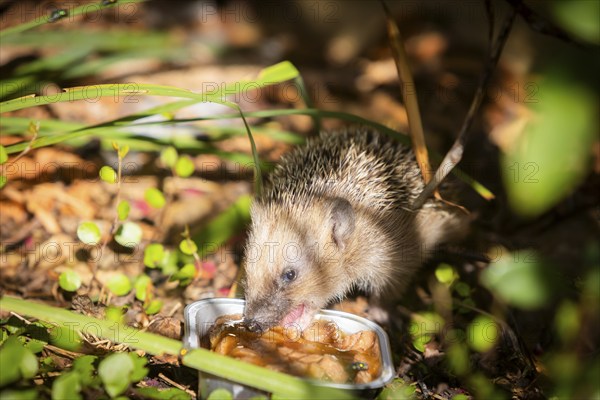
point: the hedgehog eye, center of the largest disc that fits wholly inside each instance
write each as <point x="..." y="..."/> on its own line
<point x="289" y="275"/>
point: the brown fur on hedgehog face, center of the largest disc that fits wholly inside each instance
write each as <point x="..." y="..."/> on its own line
<point x="294" y="261"/>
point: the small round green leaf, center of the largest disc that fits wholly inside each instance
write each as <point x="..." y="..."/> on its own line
<point x="85" y="366"/>
<point x="187" y="246"/>
<point x="20" y="394"/>
<point x="445" y="274"/>
<point x="3" y="154"/>
<point x="463" y="289"/>
<point x="89" y="233"/>
<point x="187" y="272"/>
<point x="129" y="234"/>
<point x="69" y="280"/>
<point x="142" y="285"/>
<point x="519" y="279"/>
<point x="115" y="372"/>
<point x="457" y="356"/>
<point x="163" y="394"/>
<point x="155" y="198"/>
<point x="28" y="364"/>
<point x="67" y="386"/>
<point x="107" y="174"/>
<point x="153" y="255"/>
<point x="220" y="394"/>
<point x="153" y="307"/>
<point x="184" y="166"/>
<point x="482" y="333"/>
<point x="123" y="210"/>
<point x="567" y="321"/>
<point x="115" y="314"/>
<point x="398" y="389"/>
<point x="460" y="396"/>
<point x="169" y="157"/>
<point x="119" y="284"/>
<point x="139" y="367"/>
<point x="420" y="341"/>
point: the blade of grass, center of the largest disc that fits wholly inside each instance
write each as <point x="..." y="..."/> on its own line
<point x="200" y="359"/>
<point x="81" y="10"/>
<point x="277" y="73"/>
<point x="258" y="182"/>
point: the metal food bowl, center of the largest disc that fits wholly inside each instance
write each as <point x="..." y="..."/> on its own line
<point x="201" y="315"/>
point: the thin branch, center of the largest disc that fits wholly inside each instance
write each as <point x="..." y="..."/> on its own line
<point x="455" y="153"/>
<point x="409" y="95"/>
<point x="540" y="24"/>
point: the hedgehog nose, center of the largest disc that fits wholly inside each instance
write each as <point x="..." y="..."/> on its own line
<point x="253" y="325"/>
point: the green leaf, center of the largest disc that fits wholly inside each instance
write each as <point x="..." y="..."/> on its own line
<point x="518" y="278"/>
<point x="184" y="166"/>
<point x="551" y="155"/>
<point x="142" y="285"/>
<point x="422" y="328"/>
<point x="122" y="152"/>
<point x="89" y="233"/>
<point x="168" y="264"/>
<point x="84" y="365"/>
<point x="123" y="210"/>
<point x="119" y="284"/>
<point x="185" y="274"/>
<point x="446" y="274"/>
<point x="398" y="389"/>
<point x="115" y="372"/>
<point x="67" y="386"/>
<point x="153" y="307"/>
<point x="169" y="156"/>
<point x="139" y="367"/>
<point x="3" y="154"/>
<point x="154" y="198"/>
<point x="463" y="289"/>
<point x="3" y="180"/>
<point x="69" y="280"/>
<point x="567" y="321"/>
<point x="35" y="345"/>
<point x="129" y="234"/>
<point x="107" y="174"/>
<point x="164" y="394"/>
<point x="25" y="394"/>
<point x="457" y="356"/>
<point x="220" y="394"/>
<point x="280" y="72"/>
<point x="187" y="246"/>
<point x="17" y="361"/>
<point x="483" y="332"/>
<point x="579" y="18"/>
<point x="153" y="255"/>
<point x="115" y="314"/>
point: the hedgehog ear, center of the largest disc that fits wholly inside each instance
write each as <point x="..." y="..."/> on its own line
<point x="342" y="221"/>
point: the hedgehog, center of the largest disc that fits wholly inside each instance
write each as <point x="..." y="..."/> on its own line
<point x="335" y="215"/>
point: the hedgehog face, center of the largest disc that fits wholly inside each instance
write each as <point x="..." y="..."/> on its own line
<point x="293" y="262"/>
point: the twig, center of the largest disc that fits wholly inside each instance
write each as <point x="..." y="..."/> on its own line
<point x="539" y="24"/>
<point x="455" y="153"/>
<point x="34" y="128"/>
<point x="175" y="384"/>
<point x="409" y="95"/>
